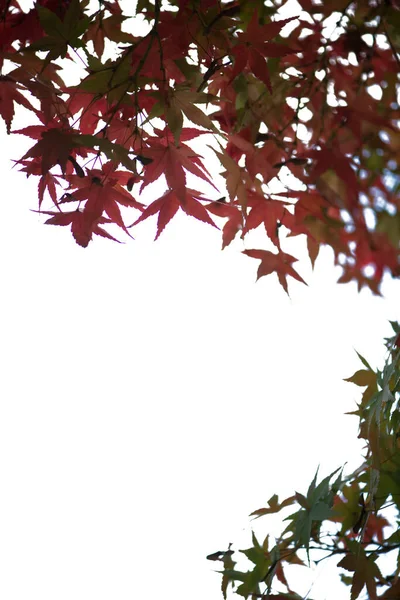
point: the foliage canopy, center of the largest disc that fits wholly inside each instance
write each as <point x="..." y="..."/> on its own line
<point x="297" y="105"/>
<point x="301" y="113"/>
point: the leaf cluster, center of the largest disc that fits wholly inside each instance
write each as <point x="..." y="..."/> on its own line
<point x="353" y="517"/>
<point x="301" y="112"/>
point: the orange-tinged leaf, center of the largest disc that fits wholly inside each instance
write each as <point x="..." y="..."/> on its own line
<point x="187" y="100"/>
<point x="313" y="248"/>
<point x="174" y="118"/>
<point x="366" y="573"/>
<point x="234" y="178"/>
<point x="363" y="378"/>
<point x="274" y="506"/>
<point x="197" y="116"/>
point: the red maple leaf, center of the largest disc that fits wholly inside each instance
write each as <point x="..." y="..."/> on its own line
<point x="9" y="93"/>
<point x="258" y="160"/>
<point x="103" y="193"/>
<point x="374" y="528"/>
<point x="172" y="161"/>
<point x="49" y="182"/>
<point x="254" y="47"/>
<point x="280" y="263"/>
<point x="168" y="205"/>
<point x="81" y="229"/>
<point x="233" y="225"/>
<point x="93" y="108"/>
<point x="55" y="145"/>
<point x="271" y="213"/>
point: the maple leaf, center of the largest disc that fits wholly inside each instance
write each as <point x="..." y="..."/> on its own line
<point x="146" y="57"/>
<point x="254" y="47"/>
<point x="162" y="162"/>
<point x="234" y="216"/>
<point x="168" y="205"/>
<point x="102" y="28"/>
<point x="54" y="146"/>
<point x="49" y="182"/>
<point x="92" y="109"/>
<point x="61" y="32"/>
<point x="374" y="528"/>
<point x="9" y="93"/>
<point x="366" y="572"/>
<point x="271" y="213"/>
<point x="172" y="161"/>
<point x="351" y="273"/>
<point x="273" y="506"/>
<point x="184" y="101"/>
<point x="103" y="193"/>
<point x="81" y="229"/>
<point x="258" y="160"/>
<point x="331" y="158"/>
<point x="235" y="176"/>
<point x="280" y="263"/>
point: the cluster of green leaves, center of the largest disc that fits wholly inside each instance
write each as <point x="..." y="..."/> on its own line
<point x="343" y="516"/>
<point x="301" y="112"/>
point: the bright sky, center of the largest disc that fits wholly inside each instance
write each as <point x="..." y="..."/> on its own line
<point x="153" y="395"/>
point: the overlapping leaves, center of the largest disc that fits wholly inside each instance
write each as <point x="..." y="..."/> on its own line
<point x="350" y="516"/>
<point x="278" y="95"/>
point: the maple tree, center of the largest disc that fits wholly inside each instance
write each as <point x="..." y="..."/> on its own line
<point x="353" y="517"/>
<point x="299" y="111"/>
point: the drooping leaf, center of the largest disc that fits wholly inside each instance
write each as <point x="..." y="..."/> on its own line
<point x="10" y="93"/>
<point x="280" y="263"/>
<point x="366" y="573"/>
